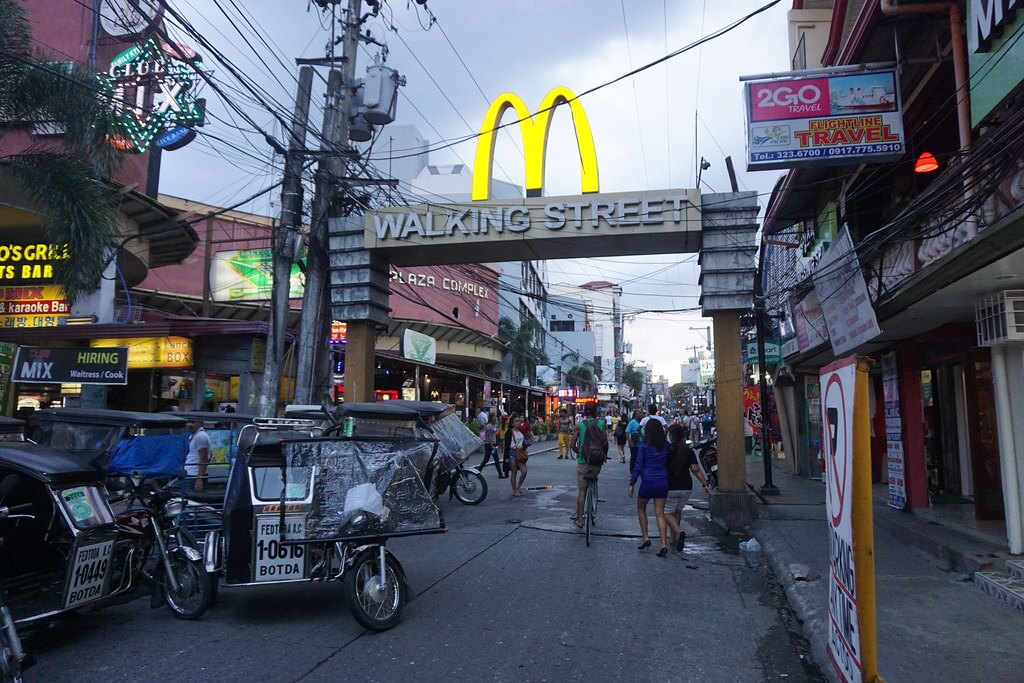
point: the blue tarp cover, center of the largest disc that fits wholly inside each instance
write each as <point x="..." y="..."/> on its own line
<point x="159" y="456"/>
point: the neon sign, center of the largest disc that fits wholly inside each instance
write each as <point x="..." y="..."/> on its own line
<point x="152" y="86"/>
<point x="534" y="129"/>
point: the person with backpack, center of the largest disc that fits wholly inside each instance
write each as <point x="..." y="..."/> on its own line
<point x="591" y="446"/>
<point x="651" y="470"/>
<point x="620" y="437"/>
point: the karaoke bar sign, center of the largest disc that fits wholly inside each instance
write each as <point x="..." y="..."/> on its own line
<point x="153" y="85"/>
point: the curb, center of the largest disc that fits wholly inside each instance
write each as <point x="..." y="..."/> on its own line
<point x="808" y="600"/>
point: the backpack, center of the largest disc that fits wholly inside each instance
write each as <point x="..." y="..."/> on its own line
<point x="595" y="445"/>
<point x="634" y="437"/>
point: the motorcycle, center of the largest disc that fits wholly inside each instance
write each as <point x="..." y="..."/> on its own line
<point x="176" y="569"/>
<point x="451" y="472"/>
<point x="707" y="456"/>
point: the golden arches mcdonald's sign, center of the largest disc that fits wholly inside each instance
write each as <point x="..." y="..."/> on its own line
<point x="534" y="128"/>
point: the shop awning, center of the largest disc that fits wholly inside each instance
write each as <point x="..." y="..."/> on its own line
<point x="178" y="327"/>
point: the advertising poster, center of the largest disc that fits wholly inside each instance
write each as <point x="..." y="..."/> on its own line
<point x="66" y="365"/>
<point x="7" y="351"/>
<point x="42" y="306"/>
<point x="809" y="322"/>
<point x="843" y="296"/>
<point x="824" y="121"/>
<point x="894" y="432"/>
<point x="248" y="275"/>
<point x="837" y="407"/>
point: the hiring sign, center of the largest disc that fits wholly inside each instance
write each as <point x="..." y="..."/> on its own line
<point x="846" y="445"/>
<point x="63" y="365"/>
<point x="825" y="121"/>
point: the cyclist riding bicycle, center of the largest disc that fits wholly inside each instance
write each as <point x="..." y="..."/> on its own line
<point x="586" y="470"/>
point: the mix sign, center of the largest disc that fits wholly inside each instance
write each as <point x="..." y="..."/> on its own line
<point x="826" y="120"/>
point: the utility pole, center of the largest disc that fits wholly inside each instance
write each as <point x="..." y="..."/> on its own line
<point x="286" y="247"/>
<point x="769" y="488"/>
<point x="334" y="134"/>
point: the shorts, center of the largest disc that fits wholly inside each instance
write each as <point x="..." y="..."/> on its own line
<point x="586" y="470"/>
<point x="677" y="500"/>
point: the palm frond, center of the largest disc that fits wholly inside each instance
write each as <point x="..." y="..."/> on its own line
<point x="80" y="212"/>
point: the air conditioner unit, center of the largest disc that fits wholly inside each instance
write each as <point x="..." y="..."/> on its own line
<point x="1000" y="318"/>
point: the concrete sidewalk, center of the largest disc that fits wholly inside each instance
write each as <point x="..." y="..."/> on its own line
<point x="934" y="623"/>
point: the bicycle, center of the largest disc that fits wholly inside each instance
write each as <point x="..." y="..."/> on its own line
<point x="590" y="505"/>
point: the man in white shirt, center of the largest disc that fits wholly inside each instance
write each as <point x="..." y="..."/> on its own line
<point x="198" y="456"/>
<point x="652" y="414"/>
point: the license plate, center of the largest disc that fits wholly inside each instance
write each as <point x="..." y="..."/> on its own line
<point x="275" y="561"/>
<point x="90" y="570"/>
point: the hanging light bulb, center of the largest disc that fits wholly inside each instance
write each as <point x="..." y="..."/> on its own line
<point x="926" y="163"/>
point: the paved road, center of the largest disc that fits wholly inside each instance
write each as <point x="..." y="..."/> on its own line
<point x="511" y="593"/>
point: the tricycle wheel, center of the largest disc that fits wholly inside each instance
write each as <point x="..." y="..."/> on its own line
<point x="195" y="588"/>
<point x="376" y="607"/>
<point x="470" y="488"/>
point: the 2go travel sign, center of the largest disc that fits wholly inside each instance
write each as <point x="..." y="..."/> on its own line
<point x="826" y="120"/>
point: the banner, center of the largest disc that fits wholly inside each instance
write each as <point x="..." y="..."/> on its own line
<point x="824" y="121"/>
<point x="843" y="295"/>
<point x="248" y="275"/>
<point x="42" y="306"/>
<point x="169" y="353"/>
<point x="838" y="382"/>
<point x="44" y="365"/>
<point x="894" y="432"/>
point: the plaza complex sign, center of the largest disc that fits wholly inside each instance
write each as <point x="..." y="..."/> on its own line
<point x="826" y="120"/>
<point x="153" y="88"/>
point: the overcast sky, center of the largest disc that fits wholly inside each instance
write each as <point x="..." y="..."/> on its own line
<point x="644" y="127"/>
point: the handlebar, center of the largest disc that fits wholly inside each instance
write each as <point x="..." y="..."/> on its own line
<point x="13" y="510"/>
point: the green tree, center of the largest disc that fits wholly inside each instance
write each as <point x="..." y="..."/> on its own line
<point x="522" y="344"/>
<point x="633" y="378"/>
<point x="65" y="185"/>
<point x="581" y="373"/>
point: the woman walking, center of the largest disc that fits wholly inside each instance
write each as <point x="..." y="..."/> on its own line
<point x="682" y="461"/>
<point x="489" y="434"/>
<point x="515" y="453"/>
<point x="620" y="437"/>
<point x="650" y="469"/>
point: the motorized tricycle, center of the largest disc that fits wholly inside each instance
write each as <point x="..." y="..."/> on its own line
<point x="456" y="442"/>
<point x="62" y="545"/>
<point x="300" y="507"/>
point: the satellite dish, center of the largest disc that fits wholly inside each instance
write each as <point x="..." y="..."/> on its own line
<point x="122" y="18"/>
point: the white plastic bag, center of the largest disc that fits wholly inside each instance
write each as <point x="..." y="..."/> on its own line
<point x="364" y="497"/>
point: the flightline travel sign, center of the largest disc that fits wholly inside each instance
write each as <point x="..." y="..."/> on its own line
<point x="825" y="120"/>
<point x="539" y="228"/>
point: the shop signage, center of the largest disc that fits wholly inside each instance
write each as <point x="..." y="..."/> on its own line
<point x="894" y="432"/>
<point x="809" y="323"/>
<point x="824" y="121"/>
<point x="843" y="294"/>
<point x="129" y="17"/>
<point x="534" y="129"/>
<point x="248" y="275"/>
<point x="29" y="264"/>
<point x="446" y="283"/>
<point x="152" y="85"/>
<point x="144" y="353"/>
<point x="339" y="332"/>
<point x="7" y="351"/>
<point x="837" y="414"/>
<point x="43" y="306"/>
<point x="996" y="53"/>
<point x="707" y="367"/>
<point x="63" y="365"/>
<point x="772" y="351"/>
<point x="568" y="394"/>
<point x="419" y="347"/>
